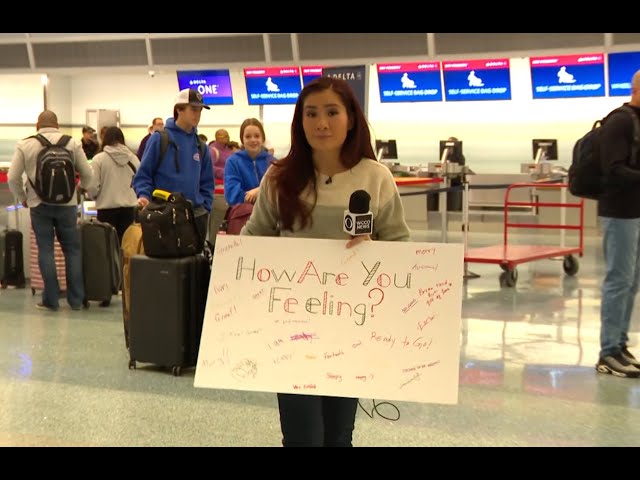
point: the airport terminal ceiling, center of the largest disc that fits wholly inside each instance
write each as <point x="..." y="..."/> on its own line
<point x="58" y="52"/>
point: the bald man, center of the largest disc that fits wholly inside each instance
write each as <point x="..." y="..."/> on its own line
<point x="220" y="151"/>
<point x="49" y="219"/>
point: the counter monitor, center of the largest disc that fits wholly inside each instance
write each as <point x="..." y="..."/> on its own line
<point x="544" y="149"/>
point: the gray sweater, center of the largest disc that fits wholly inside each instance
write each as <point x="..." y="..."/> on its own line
<point x="111" y="187"/>
<point x="333" y="199"/>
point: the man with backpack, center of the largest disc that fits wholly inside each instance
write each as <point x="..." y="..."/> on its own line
<point x="619" y="214"/>
<point x="175" y="160"/>
<point x="51" y="161"/>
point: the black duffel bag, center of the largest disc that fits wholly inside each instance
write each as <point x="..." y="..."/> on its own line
<point x="168" y="226"/>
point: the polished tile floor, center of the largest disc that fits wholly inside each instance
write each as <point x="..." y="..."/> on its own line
<point x="527" y="376"/>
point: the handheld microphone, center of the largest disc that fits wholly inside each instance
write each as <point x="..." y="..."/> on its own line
<point x="358" y="220"/>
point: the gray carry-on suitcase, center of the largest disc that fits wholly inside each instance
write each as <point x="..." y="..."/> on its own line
<point x="167" y="303"/>
<point x="101" y="261"/>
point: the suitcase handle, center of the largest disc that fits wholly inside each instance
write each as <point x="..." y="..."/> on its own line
<point x="14" y="209"/>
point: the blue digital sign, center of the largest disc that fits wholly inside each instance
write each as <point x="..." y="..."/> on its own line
<point x="477" y="80"/>
<point x="214" y="85"/>
<point x="355" y="76"/>
<point x="410" y="82"/>
<point x="622" y="66"/>
<point x="272" y="85"/>
<point x="567" y="76"/>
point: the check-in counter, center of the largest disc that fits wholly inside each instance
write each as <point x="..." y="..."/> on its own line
<point x="486" y="205"/>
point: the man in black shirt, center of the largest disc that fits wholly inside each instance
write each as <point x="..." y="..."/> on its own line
<point x="89" y="142"/>
<point x="619" y="214"/>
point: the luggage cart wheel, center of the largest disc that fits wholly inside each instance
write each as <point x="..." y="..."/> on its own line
<point x="504" y="267"/>
<point x="105" y="303"/>
<point x="509" y="277"/>
<point x="570" y="265"/>
<point x="33" y="292"/>
<point x="132" y="364"/>
<point x="176" y="371"/>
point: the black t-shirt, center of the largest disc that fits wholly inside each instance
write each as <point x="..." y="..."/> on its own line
<point x="90" y="148"/>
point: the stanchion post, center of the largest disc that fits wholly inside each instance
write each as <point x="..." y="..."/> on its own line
<point x="465" y="226"/>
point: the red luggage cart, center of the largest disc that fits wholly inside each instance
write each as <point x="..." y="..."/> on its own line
<point x="508" y="256"/>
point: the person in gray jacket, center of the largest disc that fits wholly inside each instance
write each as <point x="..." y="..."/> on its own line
<point x="48" y="219"/>
<point x="113" y="170"/>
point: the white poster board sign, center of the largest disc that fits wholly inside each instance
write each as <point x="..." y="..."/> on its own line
<point x="380" y="320"/>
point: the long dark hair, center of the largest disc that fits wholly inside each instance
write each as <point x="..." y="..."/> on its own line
<point x="294" y="172"/>
<point x="112" y="136"/>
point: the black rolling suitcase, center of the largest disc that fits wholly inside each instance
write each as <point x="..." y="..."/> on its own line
<point x="168" y="298"/>
<point x="101" y="261"/>
<point x="12" y="261"/>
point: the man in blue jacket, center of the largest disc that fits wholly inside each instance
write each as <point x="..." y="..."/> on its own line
<point x="182" y="169"/>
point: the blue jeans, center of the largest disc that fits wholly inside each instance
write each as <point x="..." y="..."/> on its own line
<point x="61" y="219"/>
<point x="621" y="245"/>
<point x="316" y="421"/>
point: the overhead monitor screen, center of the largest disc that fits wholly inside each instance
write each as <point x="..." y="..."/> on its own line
<point x="477" y="80"/>
<point x="410" y="82"/>
<point x="567" y="76"/>
<point x="622" y="66"/>
<point x="272" y="85"/>
<point x="214" y="85"/>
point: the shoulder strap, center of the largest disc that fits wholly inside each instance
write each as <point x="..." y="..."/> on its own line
<point x="164" y="144"/>
<point x="63" y="140"/>
<point x="42" y="139"/>
<point x="131" y="166"/>
<point x="202" y="147"/>
<point x="635" y="120"/>
<point x="635" y="146"/>
<point x="165" y="141"/>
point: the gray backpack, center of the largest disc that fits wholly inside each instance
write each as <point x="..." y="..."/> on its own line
<point x="55" y="180"/>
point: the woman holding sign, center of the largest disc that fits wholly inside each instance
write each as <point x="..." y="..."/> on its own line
<point x="305" y="194"/>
